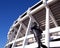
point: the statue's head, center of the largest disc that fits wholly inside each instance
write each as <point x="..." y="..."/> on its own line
<point x="34" y="24"/>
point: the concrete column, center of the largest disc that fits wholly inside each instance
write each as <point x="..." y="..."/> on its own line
<point x="28" y="28"/>
<point x="47" y="27"/>
<point x="17" y="35"/>
<point x="29" y="24"/>
<point x="47" y="24"/>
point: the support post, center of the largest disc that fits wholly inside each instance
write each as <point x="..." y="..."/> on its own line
<point x="47" y="24"/>
<point x="29" y="25"/>
<point x="17" y="35"/>
<point x="47" y="27"/>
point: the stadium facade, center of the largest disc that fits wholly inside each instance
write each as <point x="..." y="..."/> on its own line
<point x="45" y="13"/>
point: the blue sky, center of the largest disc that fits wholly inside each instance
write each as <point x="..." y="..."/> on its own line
<point x="10" y="11"/>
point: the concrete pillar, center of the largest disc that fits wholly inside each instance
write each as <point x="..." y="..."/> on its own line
<point x="17" y="35"/>
<point x="47" y="24"/>
<point x="28" y="28"/>
<point x="27" y="33"/>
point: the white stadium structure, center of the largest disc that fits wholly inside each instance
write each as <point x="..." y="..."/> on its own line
<point x="45" y="13"/>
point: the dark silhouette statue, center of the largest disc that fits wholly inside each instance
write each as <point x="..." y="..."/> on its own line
<point x="37" y="34"/>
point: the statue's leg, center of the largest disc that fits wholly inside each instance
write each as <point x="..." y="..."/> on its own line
<point x="44" y="46"/>
<point x="39" y="42"/>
